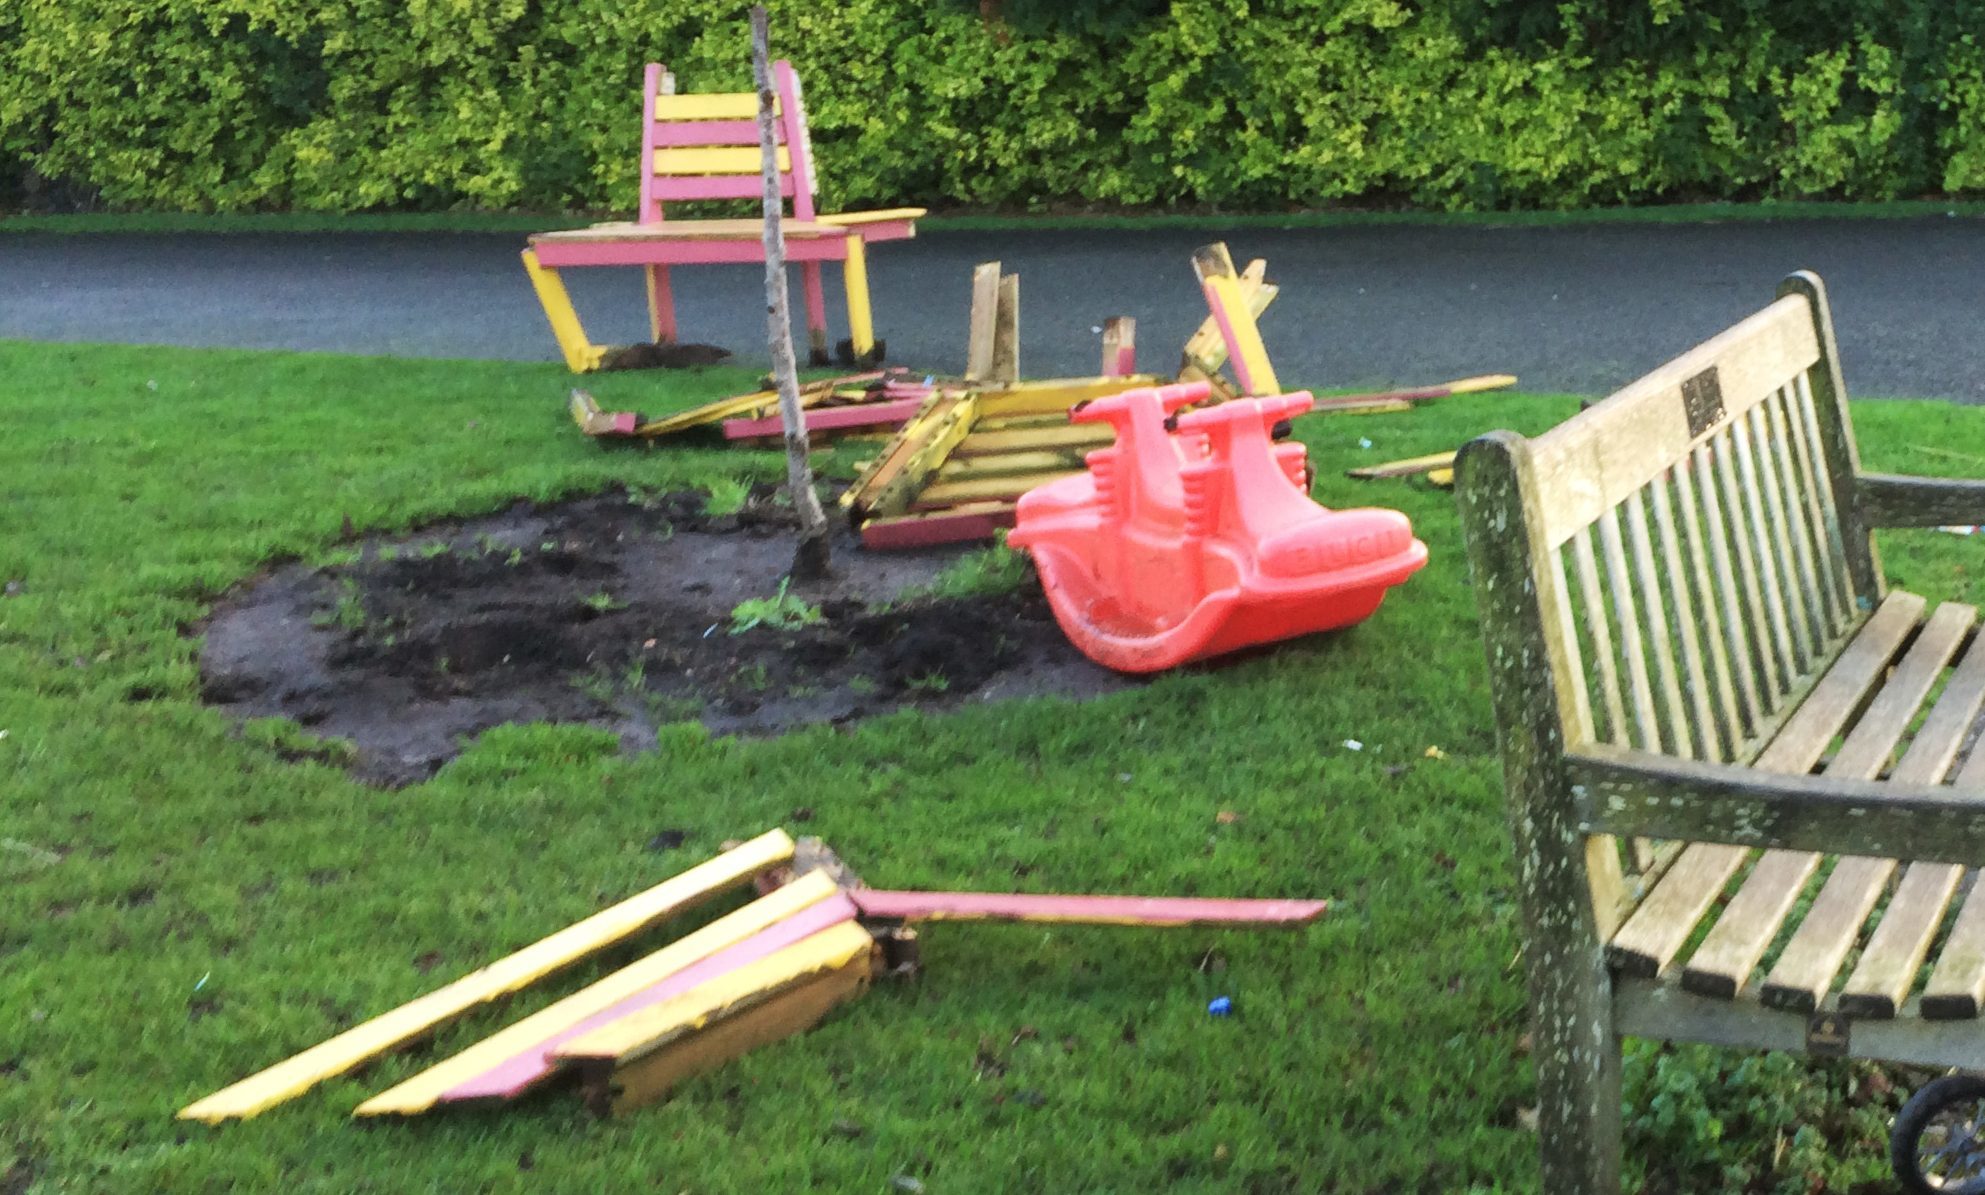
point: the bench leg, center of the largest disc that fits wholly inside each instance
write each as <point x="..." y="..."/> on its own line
<point x="861" y="324"/>
<point x="816" y="313"/>
<point x="581" y="355"/>
<point x="661" y="305"/>
<point x="1577" y="1058"/>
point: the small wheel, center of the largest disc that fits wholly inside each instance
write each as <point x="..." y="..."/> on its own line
<point x="1938" y="1143"/>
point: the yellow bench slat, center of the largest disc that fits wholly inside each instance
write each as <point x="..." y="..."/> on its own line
<point x="419" y="1093"/>
<point x="298" y="1074"/>
<point x="717" y="159"/>
<point x="716" y="105"/>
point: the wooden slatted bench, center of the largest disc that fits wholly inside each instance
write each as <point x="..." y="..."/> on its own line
<point x="1721" y="731"/>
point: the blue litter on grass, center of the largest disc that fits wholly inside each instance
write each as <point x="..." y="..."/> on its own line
<point x="1220" y="1006"/>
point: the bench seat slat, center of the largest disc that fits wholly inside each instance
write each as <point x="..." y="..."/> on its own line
<point x="1648" y="941"/>
<point x="1957" y="980"/>
<point x="1805" y="971"/>
<point x="1895" y="952"/>
<point x="1957" y="983"/>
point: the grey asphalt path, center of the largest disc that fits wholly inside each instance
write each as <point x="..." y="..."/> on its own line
<point x="1574" y="308"/>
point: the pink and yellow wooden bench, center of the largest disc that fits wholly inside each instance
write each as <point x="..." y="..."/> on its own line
<point x="705" y="147"/>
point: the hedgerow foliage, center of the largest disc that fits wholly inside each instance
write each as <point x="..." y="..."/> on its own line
<point x="1243" y="104"/>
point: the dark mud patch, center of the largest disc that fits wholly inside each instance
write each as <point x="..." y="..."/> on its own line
<point x="616" y="613"/>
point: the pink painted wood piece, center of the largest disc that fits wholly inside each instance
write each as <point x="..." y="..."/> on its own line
<point x="822" y="419"/>
<point x="1097" y="910"/>
<point x="958" y="526"/>
<point x="524" y="1070"/>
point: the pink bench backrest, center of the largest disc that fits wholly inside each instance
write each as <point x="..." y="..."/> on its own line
<point x="706" y="146"/>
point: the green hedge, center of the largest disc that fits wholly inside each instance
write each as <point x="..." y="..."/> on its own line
<point x="1258" y="105"/>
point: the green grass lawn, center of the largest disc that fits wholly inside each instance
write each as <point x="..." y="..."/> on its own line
<point x="180" y="904"/>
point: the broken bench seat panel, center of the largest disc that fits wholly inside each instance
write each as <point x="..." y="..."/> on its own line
<point x="512" y="1061"/>
<point x="416" y="1019"/>
<point x="642" y="1057"/>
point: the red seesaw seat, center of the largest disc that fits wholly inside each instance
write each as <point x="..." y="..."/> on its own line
<point x="1194" y="535"/>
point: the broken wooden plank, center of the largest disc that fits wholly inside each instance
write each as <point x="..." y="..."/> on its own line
<point x="960" y="524"/>
<point x="895" y="487"/>
<point x="1085" y="910"/>
<point x="1408" y="467"/>
<point x="1040" y="439"/>
<point x="416" y="1019"/>
<point x="985" y="320"/>
<point x="941" y="494"/>
<point x="593" y="421"/>
<point x="1206" y="350"/>
<point x="512" y="1060"/>
<point x="1119" y="346"/>
<point x="1233" y="313"/>
<point x="785" y="1012"/>
<point x="636" y="1056"/>
<point x="1006" y="332"/>
<point x="827" y="419"/>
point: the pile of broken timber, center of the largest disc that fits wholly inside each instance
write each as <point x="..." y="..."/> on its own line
<point x="863" y="402"/>
<point x="956" y="470"/>
<point x="814" y="938"/>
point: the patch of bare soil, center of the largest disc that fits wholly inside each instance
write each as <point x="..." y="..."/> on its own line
<point x="617" y="613"/>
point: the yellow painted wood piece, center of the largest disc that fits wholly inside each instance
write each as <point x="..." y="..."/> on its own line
<point x="1249" y="353"/>
<point x="581" y="355"/>
<point x="716" y="105"/>
<point x="741" y="406"/>
<point x="1404" y="468"/>
<point x="606" y="928"/>
<point x="1444" y="478"/>
<point x="791" y="1011"/>
<point x="931" y="446"/>
<point x="717" y="159"/>
<point x="1004" y="464"/>
<point x="650" y="1029"/>
<point x="1010" y="486"/>
<point x="1034" y="439"/>
<point x="884" y="215"/>
<point x="854" y="279"/>
<point x="690" y="230"/>
<point x="1053" y="396"/>
<point x="420" y="1092"/>
<point x="1206" y="349"/>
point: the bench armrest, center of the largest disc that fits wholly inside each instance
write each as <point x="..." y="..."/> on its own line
<point x="1640" y="794"/>
<point x="889" y="214"/>
<point x="1895" y="500"/>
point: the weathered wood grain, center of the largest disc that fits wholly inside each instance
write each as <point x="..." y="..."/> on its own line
<point x="1622" y="791"/>
<point x="1567" y="906"/>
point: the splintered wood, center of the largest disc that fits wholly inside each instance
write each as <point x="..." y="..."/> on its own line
<point x="814" y="939"/>
<point x="957" y="469"/>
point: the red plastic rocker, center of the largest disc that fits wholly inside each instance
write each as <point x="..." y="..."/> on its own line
<point x="1194" y="535"/>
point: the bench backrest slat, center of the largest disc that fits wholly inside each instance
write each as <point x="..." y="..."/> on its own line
<point x="705" y="147"/>
<point x="1690" y="526"/>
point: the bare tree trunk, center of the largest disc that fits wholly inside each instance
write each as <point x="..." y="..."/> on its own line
<point x="810" y="559"/>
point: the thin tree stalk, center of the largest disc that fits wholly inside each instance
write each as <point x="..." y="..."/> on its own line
<point x="810" y="559"/>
